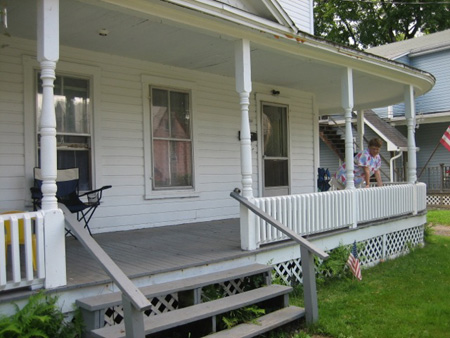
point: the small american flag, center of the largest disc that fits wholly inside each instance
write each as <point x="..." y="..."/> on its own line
<point x="445" y="140"/>
<point x="353" y="262"/>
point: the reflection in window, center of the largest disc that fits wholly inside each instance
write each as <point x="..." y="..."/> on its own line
<point x="171" y="135"/>
<point x="73" y="129"/>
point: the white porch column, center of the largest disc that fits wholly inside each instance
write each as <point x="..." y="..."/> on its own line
<point x="347" y="104"/>
<point x="360" y="127"/>
<point x="48" y="55"/>
<point x="410" y="114"/>
<point x="244" y="88"/>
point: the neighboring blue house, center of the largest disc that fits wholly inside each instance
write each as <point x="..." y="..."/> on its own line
<point x="430" y="53"/>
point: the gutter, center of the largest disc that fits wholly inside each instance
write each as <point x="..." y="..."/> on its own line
<point x="280" y="32"/>
<point x="391" y="165"/>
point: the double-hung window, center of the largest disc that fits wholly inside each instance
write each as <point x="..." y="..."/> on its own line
<point x="171" y="139"/>
<point x="73" y="125"/>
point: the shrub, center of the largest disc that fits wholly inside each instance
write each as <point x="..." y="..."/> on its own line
<point x="40" y="317"/>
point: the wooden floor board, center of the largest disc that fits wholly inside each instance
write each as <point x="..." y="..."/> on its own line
<point x="147" y="251"/>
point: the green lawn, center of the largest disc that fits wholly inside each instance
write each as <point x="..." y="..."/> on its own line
<point x="441" y="217"/>
<point x="405" y="297"/>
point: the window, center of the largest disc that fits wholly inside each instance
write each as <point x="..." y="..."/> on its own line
<point x="171" y="139"/>
<point x="73" y="125"/>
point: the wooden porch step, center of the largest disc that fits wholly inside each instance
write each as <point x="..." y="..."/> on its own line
<point x="111" y="299"/>
<point x="263" y="324"/>
<point x="200" y="311"/>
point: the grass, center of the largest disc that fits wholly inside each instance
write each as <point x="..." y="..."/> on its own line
<point x="405" y="297"/>
<point x="441" y="217"/>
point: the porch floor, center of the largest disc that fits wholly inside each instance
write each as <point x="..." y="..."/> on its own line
<point x="153" y="251"/>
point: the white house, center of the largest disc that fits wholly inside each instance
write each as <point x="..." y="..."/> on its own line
<point x="177" y="102"/>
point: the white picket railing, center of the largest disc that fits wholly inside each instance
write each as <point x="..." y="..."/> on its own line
<point x="23" y="241"/>
<point x="324" y="211"/>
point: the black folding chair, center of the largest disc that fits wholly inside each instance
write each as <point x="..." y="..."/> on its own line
<point x="67" y="193"/>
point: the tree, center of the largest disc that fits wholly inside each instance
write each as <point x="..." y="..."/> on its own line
<point x="367" y="23"/>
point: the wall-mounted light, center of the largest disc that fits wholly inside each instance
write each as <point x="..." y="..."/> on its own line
<point x="275" y="92"/>
<point x="103" y="32"/>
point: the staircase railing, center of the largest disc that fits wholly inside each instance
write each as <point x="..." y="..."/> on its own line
<point x="307" y="251"/>
<point x="133" y="300"/>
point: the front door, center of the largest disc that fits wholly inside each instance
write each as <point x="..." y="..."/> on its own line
<point x="275" y="149"/>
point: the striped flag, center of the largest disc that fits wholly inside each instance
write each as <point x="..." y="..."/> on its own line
<point x="353" y="262"/>
<point x="445" y="140"/>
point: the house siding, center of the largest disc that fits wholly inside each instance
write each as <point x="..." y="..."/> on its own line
<point x="119" y="141"/>
<point x="301" y="13"/>
<point x="11" y="130"/>
<point x="438" y="99"/>
<point x="428" y="144"/>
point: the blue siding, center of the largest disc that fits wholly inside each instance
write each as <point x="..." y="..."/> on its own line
<point x="427" y="138"/>
<point x="438" y="99"/>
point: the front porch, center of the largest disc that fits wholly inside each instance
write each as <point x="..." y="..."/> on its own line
<point x="157" y="255"/>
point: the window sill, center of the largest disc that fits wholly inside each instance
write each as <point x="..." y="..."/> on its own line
<point x="172" y="194"/>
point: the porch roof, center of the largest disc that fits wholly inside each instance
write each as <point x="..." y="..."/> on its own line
<point x="200" y="35"/>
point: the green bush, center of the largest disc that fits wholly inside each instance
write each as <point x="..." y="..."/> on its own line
<point x="40" y="317"/>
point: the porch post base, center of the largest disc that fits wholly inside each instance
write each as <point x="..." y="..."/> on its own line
<point x="248" y="230"/>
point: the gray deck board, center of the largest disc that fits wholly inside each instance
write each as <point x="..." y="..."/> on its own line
<point x="150" y="251"/>
<point x="197" y="312"/>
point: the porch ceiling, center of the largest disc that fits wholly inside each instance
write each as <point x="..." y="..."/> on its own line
<point x="278" y="62"/>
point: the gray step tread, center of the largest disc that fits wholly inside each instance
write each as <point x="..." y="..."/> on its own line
<point x="263" y="324"/>
<point x="200" y="311"/>
<point x="104" y="301"/>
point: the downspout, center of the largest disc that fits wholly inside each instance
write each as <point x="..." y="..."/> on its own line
<point x="391" y="164"/>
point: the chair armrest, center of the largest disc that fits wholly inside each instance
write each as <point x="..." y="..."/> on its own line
<point x="96" y="190"/>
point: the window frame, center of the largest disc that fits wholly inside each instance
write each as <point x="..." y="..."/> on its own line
<point x="184" y="86"/>
<point x="88" y="135"/>
<point x="64" y="68"/>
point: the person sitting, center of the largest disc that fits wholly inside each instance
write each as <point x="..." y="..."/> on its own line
<point x="367" y="163"/>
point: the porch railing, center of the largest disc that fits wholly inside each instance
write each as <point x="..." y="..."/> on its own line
<point x="307" y="252"/>
<point x="437" y="178"/>
<point x="21" y="250"/>
<point x="308" y="214"/>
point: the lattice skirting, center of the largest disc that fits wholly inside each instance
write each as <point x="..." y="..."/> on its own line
<point x="438" y="200"/>
<point x="114" y="315"/>
<point x="373" y="251"/>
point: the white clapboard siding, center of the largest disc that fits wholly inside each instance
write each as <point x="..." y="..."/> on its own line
<point x="300" y="12"/>
<point x="119" y="140"/>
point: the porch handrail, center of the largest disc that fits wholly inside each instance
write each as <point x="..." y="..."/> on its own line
<point x="133" y="300"/>
<point x="307" y="250"/>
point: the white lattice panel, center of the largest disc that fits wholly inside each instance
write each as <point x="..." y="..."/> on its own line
<point x="233" y="287"/>
<point x="433" y="200"/>
<point x="371" y="253"/>
<point x="446" y="200"/>
<point x="290" y="272"/>
<point x="161" y="304"/>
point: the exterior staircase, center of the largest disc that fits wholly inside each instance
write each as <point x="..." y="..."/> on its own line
<point x="331" y="136"/>
<point x="193" y="314"/>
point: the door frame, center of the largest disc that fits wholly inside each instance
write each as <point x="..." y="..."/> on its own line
<point x="276" y="101"/>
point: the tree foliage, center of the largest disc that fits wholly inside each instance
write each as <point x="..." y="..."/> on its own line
<point x="363" y="24"/>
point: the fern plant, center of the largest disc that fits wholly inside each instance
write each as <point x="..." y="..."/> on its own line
<point x="40" y="317"/>
<point x="247" y="314"/>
